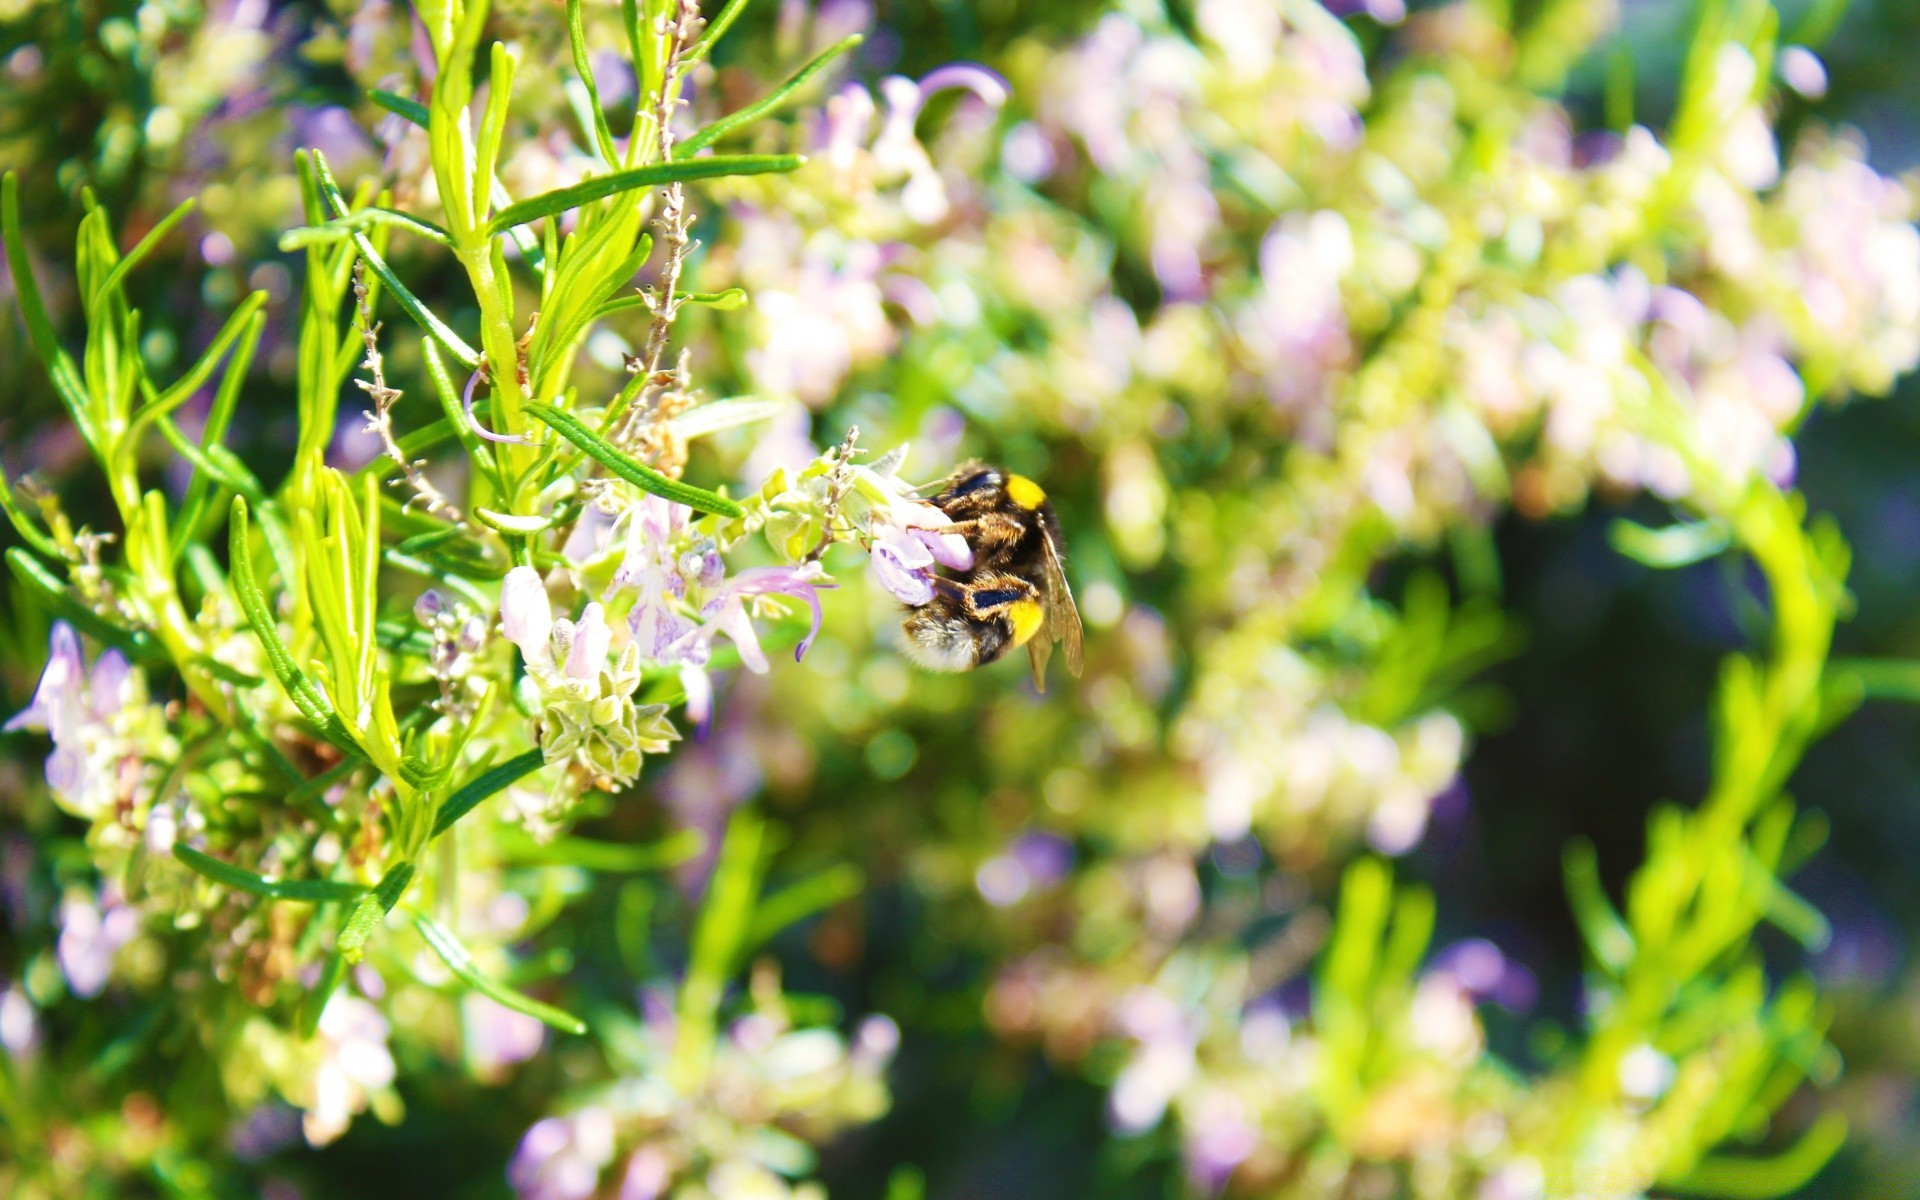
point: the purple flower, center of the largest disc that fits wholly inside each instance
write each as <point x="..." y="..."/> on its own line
<point x="497" y="1036"/>
<point x="560" y="1158"/>
<point x="90" y="936"/>
<point x="983" y="82"/>
<point x="903" y="564"/>
<point x="77" y="710"/>
<point x="686" y="599"/>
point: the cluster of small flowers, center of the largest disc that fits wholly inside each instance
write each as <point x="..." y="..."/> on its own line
<point x="666" y="596"/>
<point x="1513" y="355"/>
<point x="106" y="736"/>
<point x="771" y="1093"/>
<point x="1247" y="1080"/>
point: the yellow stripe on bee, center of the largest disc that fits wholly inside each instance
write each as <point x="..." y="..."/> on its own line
<point x="1027" y="617"/>
<point x="1025" y="492"/>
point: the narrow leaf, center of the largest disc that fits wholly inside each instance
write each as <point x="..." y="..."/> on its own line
<point x="301" y="689"/>
<point x="1673" y="546"/>
<point x="716" y="29"/>
<point x="599" y="187"/>
<point x="372" y="908"/>
<point x="309" y="891"/>
<point x="144" y="247"/>
<point x="802" y="900"/>
<point x="1763" y="1178"/>
<point x="437" y="329"/>
<point x="583" y="67"/>
<point x="1600" y="925"/>
<point x="629" y="468"/>
<point x="61" y="602"/>
<point x="22" y="524"/>
<point x="468" y="972"/>
<point x="400" y="106"/>
<point x="341" y="228"/>
<point x="33" y="310"/>
<point x="483" y="785"/>
<point x="726" y="301"/>
<point x="787" y="93"/>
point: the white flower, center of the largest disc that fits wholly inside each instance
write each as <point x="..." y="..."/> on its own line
<point x="354" y="1062"/>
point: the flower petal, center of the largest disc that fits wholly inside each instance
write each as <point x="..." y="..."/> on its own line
<point x="526" y="615"/>
<point x="801" y="583"/>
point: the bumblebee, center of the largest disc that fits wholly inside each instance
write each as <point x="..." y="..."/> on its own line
<point x="1016" y="593"/>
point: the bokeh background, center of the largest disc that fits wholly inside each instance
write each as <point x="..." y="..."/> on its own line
<point x="1586" y="706"/>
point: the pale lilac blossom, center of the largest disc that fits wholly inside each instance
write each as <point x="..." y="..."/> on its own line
<point x="92" y="931"/>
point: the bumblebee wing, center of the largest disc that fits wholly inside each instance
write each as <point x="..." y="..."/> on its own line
<point x="1063" y="616"/>
<point x="1040" y="649"/>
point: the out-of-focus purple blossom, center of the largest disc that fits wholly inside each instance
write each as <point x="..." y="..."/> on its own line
<point x="1047" y="857"/>
<point x="1802" y="70"/>
<point x="1035" y="860"/>
<point x="1220" y="1135"/>
<point x="19" y="1027"/>
<point x="648" y="1173"/>
<point x="989" y="85"/>
<point x="561" y="1158"/>
<point x="498" y="1037"/>
<point x="91" y="934"/>
<point x="265" y="1131"/>
<point x="1485" y="971"/>
<point x="354" y="1062"/>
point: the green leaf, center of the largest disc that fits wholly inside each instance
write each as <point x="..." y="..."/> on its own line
<point x="609" y="857"/>
<point x="599" y="187"/>
<point x="61" y="602"/>
<point x="583" y="67"/>
<point x="716" y="29"/>
<point x="309" y="891"/>
<point x="629" y="468"/>
<point x="800" y="901"/>
<point x="315" y="1001"/>
<point x="1880" y="678"/>
<point x="726" y="301"/>
<point x="225" y="673"/>
<point x="371" y="909"/>
<point x="455" y="421"/>
<point x="468" y="972"/>
<point x="22" y="524"/>
<point x="483" y="785"/>
<point x="727" y="414"/>
<point x="341" y="228"/>
<point x="422" y="316"/>
<point x="1606" y="935"/>
<point x="138" y="254"/>
<point x="299" y="687"/>
<point x="771" y="103"/>
<point x="46" y="344"/>
<point x="400" y="106"/>
<point x="1765" y="1178"/>
<point x="232" y="475"/>
<point x="1675" y="546"/>
<point x="183" y="388"/>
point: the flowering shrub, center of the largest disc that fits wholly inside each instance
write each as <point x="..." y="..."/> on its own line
<point x="455" y="753"/>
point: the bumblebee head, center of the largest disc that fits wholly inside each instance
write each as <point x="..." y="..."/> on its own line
<point x="1025" y="492"/>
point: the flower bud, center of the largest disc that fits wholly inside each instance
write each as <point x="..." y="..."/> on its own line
<point x="526" y="617"/>
<point x="429" y="606"/>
